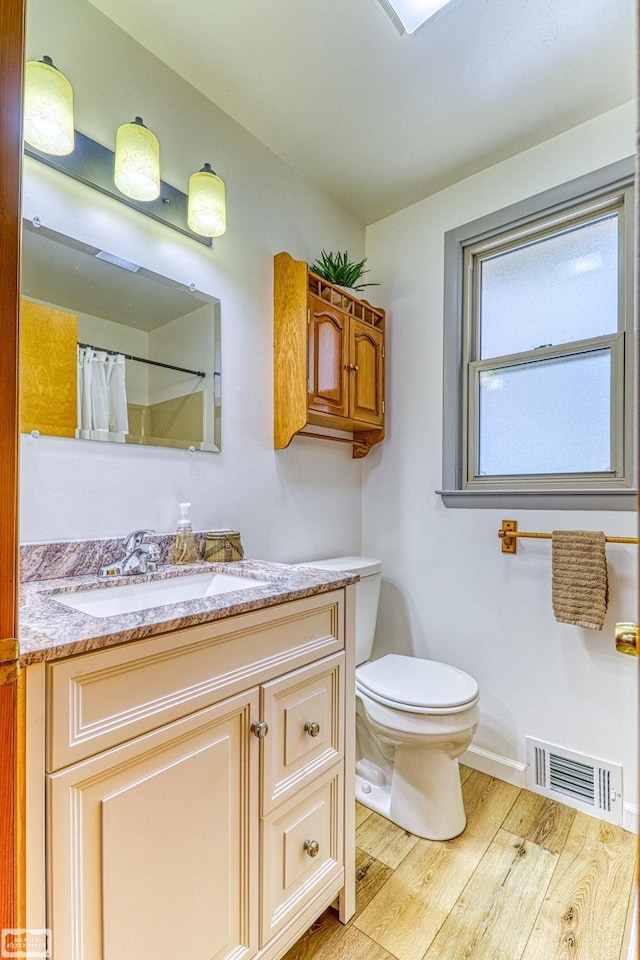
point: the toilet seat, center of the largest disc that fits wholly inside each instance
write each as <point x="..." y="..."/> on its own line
<point x="415" y="685"/>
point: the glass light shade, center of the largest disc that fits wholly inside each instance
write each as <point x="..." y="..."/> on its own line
<point x="137" y="161"/>
<point x="207" y="214"/>
<point x="48" y="108"/>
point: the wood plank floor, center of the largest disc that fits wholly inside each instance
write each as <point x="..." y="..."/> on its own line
<point x="529" y="879"/>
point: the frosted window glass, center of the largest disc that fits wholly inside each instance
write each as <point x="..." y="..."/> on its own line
<point x="556" y="290"/>
<point x="548" y="416"/>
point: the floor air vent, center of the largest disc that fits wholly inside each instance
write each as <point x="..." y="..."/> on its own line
<point x="582" y="782"/>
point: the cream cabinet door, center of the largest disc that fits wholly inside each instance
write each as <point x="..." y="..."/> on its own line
<point x="153" y="845"/>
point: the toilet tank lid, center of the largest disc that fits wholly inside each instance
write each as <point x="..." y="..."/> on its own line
<point x="362" y="566"/>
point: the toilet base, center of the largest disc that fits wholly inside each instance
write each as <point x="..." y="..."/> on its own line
<point x="434" y="811"/>
<point x="374" y="796"/>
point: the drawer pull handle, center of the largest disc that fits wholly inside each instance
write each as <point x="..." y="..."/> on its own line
<point x="260" y="728"/>
<point x="312" y="847"/>
<point x="312" y="728"/>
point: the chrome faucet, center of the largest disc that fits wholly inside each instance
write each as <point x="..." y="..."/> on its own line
<point x="138" y="557"/>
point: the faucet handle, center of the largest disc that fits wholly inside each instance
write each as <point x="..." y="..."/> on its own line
<point x="134" y="539"/>
<point x="153" y="551"/>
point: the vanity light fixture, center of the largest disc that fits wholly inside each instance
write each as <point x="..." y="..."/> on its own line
<point x="131" y="175"/>
<point x="137" y="161"/>
<point x="48" y="108"/>
<point x="408" y="15"/>
<point x="207" y="215"/>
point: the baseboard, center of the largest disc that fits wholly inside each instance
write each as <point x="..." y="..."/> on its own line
<point x="516" y="773"/>
<point x="495" y="766"/>
<point x="631" y="817"/>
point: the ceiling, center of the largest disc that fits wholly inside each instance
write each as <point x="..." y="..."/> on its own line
<point x="378" y="120"/>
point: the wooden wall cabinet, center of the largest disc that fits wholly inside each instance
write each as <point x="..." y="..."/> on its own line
<point x="174" y="826"/>
<point x="329" y="358"/>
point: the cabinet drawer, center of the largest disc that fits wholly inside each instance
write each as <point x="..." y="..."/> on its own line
<point x="304" y="710"/>
<point x="101" y="699"/>
<point x="291" y="876"/>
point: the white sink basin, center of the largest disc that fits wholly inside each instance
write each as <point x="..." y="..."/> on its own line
<point x="127" y="598"/>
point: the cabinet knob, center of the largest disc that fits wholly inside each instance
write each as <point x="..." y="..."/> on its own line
<point x="312" y="848"/>
<point x="260" y="728"/>
<point x="354" y="366"/>
<point x="312" y="728"/>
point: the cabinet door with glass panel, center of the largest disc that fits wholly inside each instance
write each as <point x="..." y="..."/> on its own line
<point x="547" y="346"/>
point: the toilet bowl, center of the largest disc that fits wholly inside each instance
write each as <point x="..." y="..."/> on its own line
<point x="414" y="718"/>
<point x="427" y="713"/>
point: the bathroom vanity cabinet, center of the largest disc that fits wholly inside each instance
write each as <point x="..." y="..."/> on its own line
<point x="329" y="358"/>
<point x="199" y="795"/>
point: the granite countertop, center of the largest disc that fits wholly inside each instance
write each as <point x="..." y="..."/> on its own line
<point x="49" y="630"/>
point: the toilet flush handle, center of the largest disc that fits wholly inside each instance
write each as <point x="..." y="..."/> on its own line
<point x="312" y="728"/>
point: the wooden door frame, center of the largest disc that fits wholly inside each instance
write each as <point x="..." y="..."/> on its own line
<point x="12" y="17"/>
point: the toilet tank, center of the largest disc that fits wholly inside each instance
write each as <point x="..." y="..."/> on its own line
<point x="367" y="595"/>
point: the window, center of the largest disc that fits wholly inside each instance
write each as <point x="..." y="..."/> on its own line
<point x="539" y="353"/>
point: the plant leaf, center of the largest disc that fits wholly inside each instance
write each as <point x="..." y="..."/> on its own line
<point x="337" y="268"/>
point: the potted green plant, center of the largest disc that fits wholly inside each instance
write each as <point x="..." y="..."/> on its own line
<point x="338" y="269"/>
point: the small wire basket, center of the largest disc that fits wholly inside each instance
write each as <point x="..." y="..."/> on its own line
<point x="223" y="546"/>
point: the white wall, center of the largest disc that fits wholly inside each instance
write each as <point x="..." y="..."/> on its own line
<point x="189" y="342"/>
<point x="295" y="504"/>
<point x="448" y="591"/>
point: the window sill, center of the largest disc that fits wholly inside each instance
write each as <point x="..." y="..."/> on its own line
<point x="541" y="499"/>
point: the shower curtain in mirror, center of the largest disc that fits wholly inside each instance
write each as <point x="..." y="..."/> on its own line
<point x="102" y="396"/>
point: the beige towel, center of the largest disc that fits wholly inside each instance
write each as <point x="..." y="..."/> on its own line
<point x="579" y="577"/>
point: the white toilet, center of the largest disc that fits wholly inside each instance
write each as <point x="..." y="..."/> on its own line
<point x="414" y="718"/>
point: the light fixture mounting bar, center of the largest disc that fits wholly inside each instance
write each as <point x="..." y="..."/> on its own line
<point x="92" y="164"/>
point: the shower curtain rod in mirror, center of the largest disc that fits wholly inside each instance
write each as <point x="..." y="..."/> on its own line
<point x="154" y="363"/>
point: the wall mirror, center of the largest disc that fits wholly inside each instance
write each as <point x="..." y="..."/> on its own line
<point x="113" y="352"/>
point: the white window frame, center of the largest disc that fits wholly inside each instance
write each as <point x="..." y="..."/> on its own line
<point x="579" y="201"/>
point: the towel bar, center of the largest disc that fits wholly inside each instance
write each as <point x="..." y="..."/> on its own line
<point x="509" y="531"/>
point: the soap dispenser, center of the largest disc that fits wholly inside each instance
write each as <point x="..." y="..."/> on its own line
<point x="184" y="549"/>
